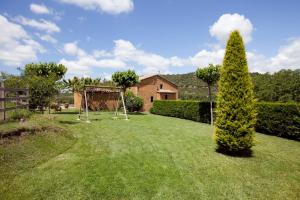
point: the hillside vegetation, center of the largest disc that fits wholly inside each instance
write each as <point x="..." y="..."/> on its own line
<point x="281" y="86"/>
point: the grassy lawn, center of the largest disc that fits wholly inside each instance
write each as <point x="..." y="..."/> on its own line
<point x="147" y="157"/>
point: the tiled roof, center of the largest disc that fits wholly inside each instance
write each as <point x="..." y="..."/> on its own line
<point x="151" y="75"/>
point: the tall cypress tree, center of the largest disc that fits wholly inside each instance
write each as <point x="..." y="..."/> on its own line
<point x="236" y="113"/>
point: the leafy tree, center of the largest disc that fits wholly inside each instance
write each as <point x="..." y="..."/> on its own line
<point x="43" y="80"/>
<point x="125" y="79"/>
<point x="76" y="84"/>
<point x="235" y="101"/>
<point x="42" y="90"/>
<point x="210" y="75"/>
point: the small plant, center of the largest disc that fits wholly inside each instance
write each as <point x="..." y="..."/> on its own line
<point x="66" y="105"/>
<point x="132" y="102"/>
<point x="20" y="114"/>
<point x="55" y="106"/>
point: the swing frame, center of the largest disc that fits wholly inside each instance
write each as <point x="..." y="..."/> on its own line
<point x="104" y="89"/>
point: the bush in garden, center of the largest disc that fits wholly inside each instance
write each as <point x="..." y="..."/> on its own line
<point x="19" y="114"/>
<point x="235" y="100"/>
<point x="55" y="106"/>
<point x="66" y="105"/>
<point x="132" y="102"/>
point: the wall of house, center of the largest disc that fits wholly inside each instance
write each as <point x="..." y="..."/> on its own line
<point x="148" y="88"/>
<point x="170" y="96"/>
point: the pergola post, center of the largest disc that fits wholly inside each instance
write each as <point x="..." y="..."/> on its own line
<point x="2" y="103"/>
<point x="124" y="107"/>
<point x="86" y="108"/>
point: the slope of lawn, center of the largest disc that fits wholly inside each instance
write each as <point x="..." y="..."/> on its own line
<point x="146" y="157"/>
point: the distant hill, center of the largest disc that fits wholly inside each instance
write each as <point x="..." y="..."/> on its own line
<point x="190" y="87"/>
<point x="281" y="86"/>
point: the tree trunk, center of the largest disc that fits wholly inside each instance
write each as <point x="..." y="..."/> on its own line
<point x="211" y="106"/>
<point x="42" y="108"/>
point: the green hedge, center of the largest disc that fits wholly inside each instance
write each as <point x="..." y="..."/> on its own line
<point x="280" y="119"/>
<point x="192" y="110"/>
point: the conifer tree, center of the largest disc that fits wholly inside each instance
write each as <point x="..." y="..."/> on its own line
<point x="236" y="113"/>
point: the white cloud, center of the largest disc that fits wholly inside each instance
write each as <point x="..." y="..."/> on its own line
<point x="205" y="57"/>
<point x="39" y="9"/>
<point x="101" y="53"/>
<point x="41" y="24"/>
<point x="288" y="56"/>
<point x="125" y="55"/>
<point x="73" y="50"/>
<point x="47" y="38"/>
<point x="108" y="6"/>
<point x="230" y="22"/>
<point x="126" y="51"/>
<point x="81" y="19"/>
<point x="17" y="47"/>
<point x="84" y="62"/>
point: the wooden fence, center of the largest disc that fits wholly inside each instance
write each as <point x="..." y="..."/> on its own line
<point x="18" y="99"/>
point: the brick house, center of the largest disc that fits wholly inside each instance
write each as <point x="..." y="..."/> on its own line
<point x="154" y="87"/>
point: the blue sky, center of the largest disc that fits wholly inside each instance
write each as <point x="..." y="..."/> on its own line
<point x="97" y="37"/>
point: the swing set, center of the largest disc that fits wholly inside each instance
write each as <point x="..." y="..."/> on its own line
<point x="102" y="97"/>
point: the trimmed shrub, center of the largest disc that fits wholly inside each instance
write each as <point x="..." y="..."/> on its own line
<point x="280" y="119"/>
<point x="132" y="102"/>
<point x="19" y="114"/>
<point x="236" y="113"/>
<point x="192" y="110"/>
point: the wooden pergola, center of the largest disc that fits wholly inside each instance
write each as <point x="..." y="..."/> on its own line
<point x="103" y="89"/>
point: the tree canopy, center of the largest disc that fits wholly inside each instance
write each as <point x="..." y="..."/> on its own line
<point x="209" y="74"/>
<point x="45" y="70"/>
<point x="125" y="79"/>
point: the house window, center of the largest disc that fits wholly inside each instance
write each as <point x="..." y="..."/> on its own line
<point x="166" y="96"/>
<point x="161" y="86"/>
<point x="151" y="99"/>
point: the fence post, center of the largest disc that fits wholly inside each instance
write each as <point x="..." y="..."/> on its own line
<point x="27" y="100"/>
<point x="2" y="103"/>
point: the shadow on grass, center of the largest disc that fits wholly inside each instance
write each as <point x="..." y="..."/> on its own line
<point x="241" y="154"/>
<point x="68" y="113"/>
<point x="68" y="122"/>
<point x="95" y="119"/>
<point x="136" y="113"/>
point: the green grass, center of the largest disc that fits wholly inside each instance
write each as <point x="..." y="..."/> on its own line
<point x="147" y="157"/>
